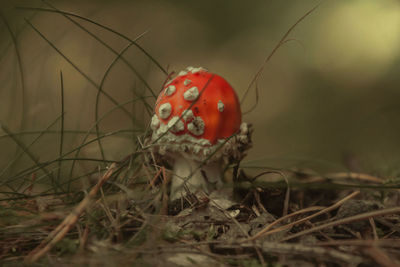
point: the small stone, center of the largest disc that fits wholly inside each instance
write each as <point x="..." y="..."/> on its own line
<point x="187" y="82"/>
<point x="234" y="213"/>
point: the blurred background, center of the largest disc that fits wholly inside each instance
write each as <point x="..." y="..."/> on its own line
<point x="328" y="99"/>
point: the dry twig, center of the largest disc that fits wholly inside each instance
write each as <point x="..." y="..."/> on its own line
<point x="344" y="176"/>
<point x="380" y="257"/>
<point x="362" y="243"/>
<point x="358" y="217"/>
<point x="63" y="228"/>
<point x="298" y="249"/>
<point x="266" y="231"/>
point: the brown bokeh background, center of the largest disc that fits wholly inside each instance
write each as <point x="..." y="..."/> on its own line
<point x="327" y="100"/>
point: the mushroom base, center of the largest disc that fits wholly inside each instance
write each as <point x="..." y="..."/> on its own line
<point x="187" y="155"/>
<point x="189" y="174"/>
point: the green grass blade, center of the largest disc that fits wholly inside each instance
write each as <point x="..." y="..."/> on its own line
<point x="62" y="124"/>
<point x="104" y="27"/>
<point x="26" y="150"/>
<point x="90" y="80"/>
<point x="133" y="69"/>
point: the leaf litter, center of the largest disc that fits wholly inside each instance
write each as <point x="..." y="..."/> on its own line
<point x="132" y="225"/>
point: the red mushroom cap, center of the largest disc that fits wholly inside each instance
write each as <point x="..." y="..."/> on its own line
<point x="197" y="107"/>
<point x="198" y="97"/>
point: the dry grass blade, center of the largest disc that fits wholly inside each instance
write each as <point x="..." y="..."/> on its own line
<point x="373" y="226"/>
<point x="347" y="175"/>
<point x="266" y="231"/>
<point x="350" y="219"/>
<point x="59" y="233"/>
<point x="362" y="243"/>
<point x="381" y="257"/>
<point x="356" y="176"/>
<point x="299" y="249"/>
<point x="155" y="177"/>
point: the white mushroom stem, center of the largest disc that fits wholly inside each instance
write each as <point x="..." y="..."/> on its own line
<point x="188" y="172"/>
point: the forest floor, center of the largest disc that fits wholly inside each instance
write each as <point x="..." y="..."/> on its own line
<point x="302" y="219"/>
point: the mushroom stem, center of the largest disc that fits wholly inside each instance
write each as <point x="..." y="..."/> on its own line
<point x="196" y="177"/>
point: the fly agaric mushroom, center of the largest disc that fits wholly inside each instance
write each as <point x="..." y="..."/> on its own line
<point x="198" y="125"/>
